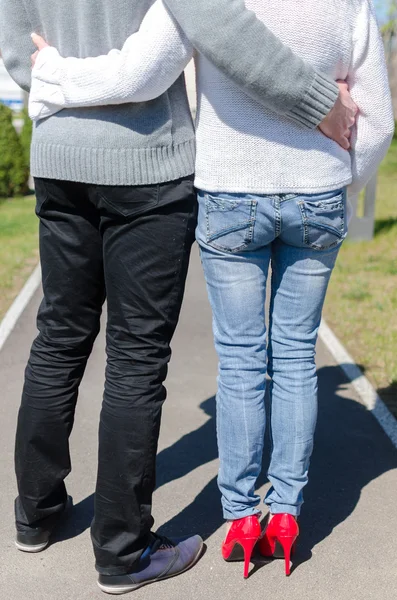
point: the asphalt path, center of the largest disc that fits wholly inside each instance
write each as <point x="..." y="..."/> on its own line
<point x="347" y="548"/>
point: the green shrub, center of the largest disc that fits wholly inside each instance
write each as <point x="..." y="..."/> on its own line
<point x="13" y="172"/>
<point x="395" y="131"/>
<point x="26" y="137"/>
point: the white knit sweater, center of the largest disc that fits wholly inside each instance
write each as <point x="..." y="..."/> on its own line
<point x="241" y="146"/>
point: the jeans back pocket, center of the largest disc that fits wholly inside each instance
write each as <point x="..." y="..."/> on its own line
<point x="229" y="221"/>
<point x="324" y="220"/>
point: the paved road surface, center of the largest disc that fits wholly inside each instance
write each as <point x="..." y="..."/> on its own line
<point x="349" y="523"/>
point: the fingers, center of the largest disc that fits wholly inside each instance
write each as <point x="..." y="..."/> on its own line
<point x="33" y="58"/>
<point x="346" y="98"/>
<point x="344" y="142"/>
<point x="353" y="110"/>
<point x="336" y="134"/>
<point x="39" y="42"/>
<point x="343" y="86"/>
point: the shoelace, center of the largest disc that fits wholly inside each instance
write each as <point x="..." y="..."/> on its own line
<point x="161" y="543"/>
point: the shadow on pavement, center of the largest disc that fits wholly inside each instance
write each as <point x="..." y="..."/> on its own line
<point x="350" y="451"/>
<point x="190" y="452"/>
<point x="78" y="520"/>
<point x="193" y="450"/>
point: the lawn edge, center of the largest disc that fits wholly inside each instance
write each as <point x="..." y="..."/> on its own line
<point x="360" y="383"/>
<point x="18" y="306"/>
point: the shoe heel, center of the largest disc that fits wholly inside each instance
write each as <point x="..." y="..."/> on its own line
<point x="248" y="546"/>
<point x="241" y="540"/>
<point x="288" y="546"/>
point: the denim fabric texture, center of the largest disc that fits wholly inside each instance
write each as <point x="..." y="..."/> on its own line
<point x="132" y="245"/>
<point x="240" y="237"/>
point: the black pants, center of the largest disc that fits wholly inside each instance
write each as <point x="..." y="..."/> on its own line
<point x="132" y="245"/>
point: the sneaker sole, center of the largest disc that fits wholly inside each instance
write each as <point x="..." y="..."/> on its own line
<point x="40" y="547"/>
<point x="32" y="549"/>
<point x="117" y="591"/>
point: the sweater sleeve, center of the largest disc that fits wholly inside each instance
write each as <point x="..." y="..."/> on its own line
<point x="15" y="42"/>
<point x="240" y="45"/>
<point x="370" y="89"/>
<point x="150" y="61"/>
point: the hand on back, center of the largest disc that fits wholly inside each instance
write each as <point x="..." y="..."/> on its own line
<point x="339" y="121"/>
<point x="40" y="43"/>
<point x="336" y="125"/>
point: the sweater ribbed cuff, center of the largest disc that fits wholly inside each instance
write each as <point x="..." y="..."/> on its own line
<point x="317" y="103"/>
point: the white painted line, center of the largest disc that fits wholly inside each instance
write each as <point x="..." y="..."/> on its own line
<point x="19" y="305"/>
<point x="360" y="383"/>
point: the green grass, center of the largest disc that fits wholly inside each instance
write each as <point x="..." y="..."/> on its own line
<point x="362" y="301"/>
<point x="18" y="246"/>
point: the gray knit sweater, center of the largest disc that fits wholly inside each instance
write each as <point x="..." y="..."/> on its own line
<point x="147" y="143"/>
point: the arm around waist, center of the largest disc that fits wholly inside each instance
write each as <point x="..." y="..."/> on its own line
<point x="241" y="46"/>
<point x="150" y="61"/>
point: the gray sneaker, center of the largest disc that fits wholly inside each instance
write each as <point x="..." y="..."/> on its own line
<point x="37" y="539"/>
<point x="162" y="559"/>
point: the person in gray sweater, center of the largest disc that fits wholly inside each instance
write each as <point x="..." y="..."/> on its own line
<point x="117" y="212"/>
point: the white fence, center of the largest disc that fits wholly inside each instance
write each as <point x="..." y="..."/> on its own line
<point x="362" y="226"/>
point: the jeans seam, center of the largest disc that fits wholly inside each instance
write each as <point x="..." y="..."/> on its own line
<point x="254" y="206"/>
<point x="277" y="214"/>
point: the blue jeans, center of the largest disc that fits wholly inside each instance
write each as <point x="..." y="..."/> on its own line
<point x="239" y="237"/>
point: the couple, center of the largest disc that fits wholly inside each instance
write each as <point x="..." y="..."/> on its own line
<point x="113" y="157"/>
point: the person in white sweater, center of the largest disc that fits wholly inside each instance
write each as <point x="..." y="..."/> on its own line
<point x="270" y="193"/>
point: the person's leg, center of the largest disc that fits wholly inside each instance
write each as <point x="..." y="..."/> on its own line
<point x="234" y="234"/>
<point x="68" y="322"/>
<point x="148" y="233"/>
<point x="302" y="263"/>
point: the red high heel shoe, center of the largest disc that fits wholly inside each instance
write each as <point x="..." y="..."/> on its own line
<point x="241" y="540"/>
<point x="279" y="539"/>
